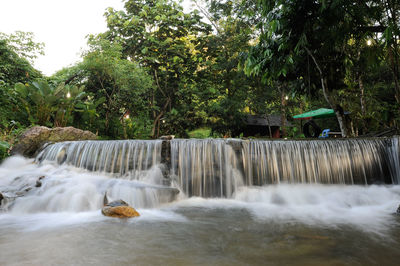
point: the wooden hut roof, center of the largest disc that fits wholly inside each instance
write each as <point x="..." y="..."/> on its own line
<point x="259" y="120"/>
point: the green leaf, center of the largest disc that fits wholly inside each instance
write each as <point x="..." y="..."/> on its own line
<point x="100" y="101"/>
<point x="80" y="106"/>
<point x="4" y="145"/>
<point x="176" y="59"/>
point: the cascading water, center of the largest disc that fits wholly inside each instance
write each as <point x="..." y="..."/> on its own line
<point x="262" y="202"/>
<point x="206" y="168"/>
<point x="394" y="160"/>
<point x="215" y="168"/>
<point x="127" y="157"/>
<point x="356" y="161"/>
<point x="121" y="169"/>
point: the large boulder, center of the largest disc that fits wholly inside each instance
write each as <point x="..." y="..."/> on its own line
<point x="119" y="209"/>
<point x="32" y="139"/>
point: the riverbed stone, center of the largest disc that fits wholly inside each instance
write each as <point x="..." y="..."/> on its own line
<point x="167" y="137"/>
<point x="119" y="209"/>
<point x="39" y="182"/>
<point x="32" y="139"/>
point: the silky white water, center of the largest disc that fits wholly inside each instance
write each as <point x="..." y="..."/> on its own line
<point x="217" y="167"/>
<point x="69" y="189"/>
<point x="60" y="223"/>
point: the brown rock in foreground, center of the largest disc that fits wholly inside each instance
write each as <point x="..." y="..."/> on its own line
<point x="32" y="139"/>
<point x="119" y="209"/>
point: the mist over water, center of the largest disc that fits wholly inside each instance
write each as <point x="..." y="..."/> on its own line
<point x="69" y="189"/>
<point x="285" y="222"/>
<point x="72" y="191"/>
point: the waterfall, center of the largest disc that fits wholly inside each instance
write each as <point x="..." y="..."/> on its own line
<point x="261" y="201"/>
<point x="119" y="157"/>
<point x="353" y="161"/>
<point x="206" y="168"/>
<point x="394" y="160"/>
<point x="130" y="170"/>
<point x="218" y="167"/>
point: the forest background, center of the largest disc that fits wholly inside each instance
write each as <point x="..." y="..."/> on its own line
<point x="158" y="70"/>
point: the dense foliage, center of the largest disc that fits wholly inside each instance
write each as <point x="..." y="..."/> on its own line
<point x="160" y="70"/>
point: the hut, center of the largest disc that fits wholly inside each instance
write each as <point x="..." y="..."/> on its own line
<point x="263" y="126"/>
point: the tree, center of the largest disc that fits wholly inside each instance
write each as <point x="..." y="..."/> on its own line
<point x="293" y="32"/>
<point x="226" y="89"/>
<point x="389" y="20"/>
<point x="164" y="40"/>
<point x="118" y="88"/>
<point x="24" y="45"/>
<point x="13" y="69"/>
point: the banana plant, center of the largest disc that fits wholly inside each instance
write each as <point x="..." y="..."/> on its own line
<point x="89" y="110"/>
<point x="4" y="147"/>
<point x="74" y="96"/>
<point x="50" y="105"/>
<point x="40" y="100"/>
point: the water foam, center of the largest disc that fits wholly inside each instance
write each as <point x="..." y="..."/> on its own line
<point x="71" y="194"/>
<point x="69" y="189"/>
<point x="369" y="208"/>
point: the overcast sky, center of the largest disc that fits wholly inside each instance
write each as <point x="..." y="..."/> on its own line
<point x="61" y="24"/>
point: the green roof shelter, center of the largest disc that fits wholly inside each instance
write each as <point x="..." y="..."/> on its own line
<point x="319" y="113"/>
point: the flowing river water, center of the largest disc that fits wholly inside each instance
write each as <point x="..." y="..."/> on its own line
<point x="239" y="203"/>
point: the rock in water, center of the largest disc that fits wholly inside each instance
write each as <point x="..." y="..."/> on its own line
<point x="398" y="210"/>
<point x="168" y="137"/>
<point x="38" y="182"/>
<point x="119" y="209"/>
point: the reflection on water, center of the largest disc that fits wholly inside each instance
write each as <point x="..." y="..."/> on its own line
<point x="60" y="223"/>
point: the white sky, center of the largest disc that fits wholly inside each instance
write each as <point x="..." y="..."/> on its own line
<point x="61" y="24"/>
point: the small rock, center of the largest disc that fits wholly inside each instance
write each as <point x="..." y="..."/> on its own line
<point x="1" y="198"/>
<point x="38" y="182"/>
<point x="119" y="209"/>
<point x="117" y="203"/>
<point x="398" y="210"/>
<point x="168" y="137"/>
<point x="22" y="191"/>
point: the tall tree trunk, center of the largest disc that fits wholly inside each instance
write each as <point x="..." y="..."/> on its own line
<point x="283" y="111"/>
<point x="362" y="102"/>
<point x="394" y="67"/>
<point x="362" y="94"/>
<point x="337" y="108"/>
<point x="392" y="11"/>
<point x="156" y="124"/>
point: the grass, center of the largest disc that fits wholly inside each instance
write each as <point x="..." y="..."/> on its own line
<point x="200" y="133"/>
